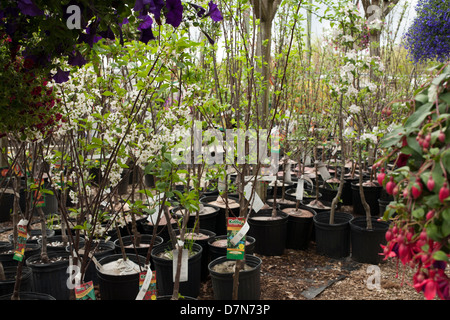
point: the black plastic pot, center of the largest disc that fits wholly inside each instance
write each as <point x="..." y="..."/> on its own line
<point x="207" y="221"/>
<point x="372" y="194"/>
<point x="119" y="287"/>
<point x="299" y="230"/>
<point x="249" y="280"/>
<point x="221" y="223"/>
<point x="142" y="250"/>
<point x="327" y="205"/>
<point x="205" y="248"/>
<point x="26" y="283"/>
<point x="366" y="244"/>
<point x="332" y="240"/>
<point x="6" y="256"/>
<point x="328" y="192"/>
<point x="50" y="278"/>
<point x="164" y="272"/>
<point x="290" y="194"/>
<point x="220" y="251"/>
<point x="162" y="229"/>
<point x="6" y="206"/>
<point x="29" y="296"/>
<point x="104" y="249"/>
<point x="347" y="193"/>
<point x="270" y="234"/>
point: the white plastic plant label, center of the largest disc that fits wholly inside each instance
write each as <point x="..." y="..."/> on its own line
<point x="146" y="284"/>
<point x="299" y="191"/>
<point x="184" y="264"/>
<point x="240" y="234"/>
<point x="257" y="203"/>
<point x="323" y="171"/>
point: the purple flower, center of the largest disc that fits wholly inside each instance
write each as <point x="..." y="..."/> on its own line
<point x="61" y="76"/>
<point x="124" y="21"/>
<point x="146" y="35"/>
<point x="152" y="6"/>
<point x="146" y="23"/>
<point x="29" y="8"/>
<point x="174" y="13"/>
<point x="200" y="10"/>
<point x="214" y="12"/>
<point x="77" y="59"/>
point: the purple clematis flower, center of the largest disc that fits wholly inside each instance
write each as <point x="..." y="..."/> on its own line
<point x="174" y="13"/>
<point x="214" y="12"/>
<point x="153" y="6"/>
<point x="200" y="10"/>
<point x="27" y="7"/>
<point x="61" y="76"/>
<point x="146" y="35"/>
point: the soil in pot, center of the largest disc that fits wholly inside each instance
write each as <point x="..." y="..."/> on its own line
<point x="219" y="202"/>
<point x="7" y="285"/>
<point x="207" y="217"/>
<point x="218" y="246"/>
<point x="299" y="227"/>
<point x="366" y="244"/>
<point x="222" y="272"/>
<point x="318" y="205"/>
<point x="102" y="249"/>
<point x="372" y="193"/>
<point x="56" y="243"/>
<point x="119" y="279"/>
<point x="164" y="271"/>
<point x="308" y="194"/>
<point x="332" y="240"/>
<point x="51" y="277"/>
<point x="269" y="232"/>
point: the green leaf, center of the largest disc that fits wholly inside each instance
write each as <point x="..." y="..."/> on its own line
<point x="440" y="256"/>
<point x="107" y="93"/>
<point x="419" y="116"/>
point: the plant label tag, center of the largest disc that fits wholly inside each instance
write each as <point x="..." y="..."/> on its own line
<point x="22" y="236"/>
<point x="145" y="279"/>
<point x="299" y="191"/>
<point x="184" y="264"/>
<point x="237" y="228"/>
<point x="85" y="291"/>
<point x="288" y="177"/>
<point x="257" y="203"/>
<point x="307" y="161"/>
<point x="323" y="171"/>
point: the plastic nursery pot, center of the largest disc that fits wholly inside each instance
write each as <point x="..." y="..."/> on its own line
<point x="29" y="296"/>
<point x="164" y="271"/>
<point x="269" y="232"/>
<point x="299" y="227"/>
<point x="119" y="286"/>
<point x="6" y="206"/>
<point x="202" y="238"/>
<point x="371" y="193"/>
<point x="249" y="279"/>
<point x="218" y="246"/>
<point x="6" y="255"/>
<point x="234" y="208"/>
<point x="51" y="277"/>
<point x="366" y="244"/>
<point x="162" y="229"/>
<point x="207" y="217"/>
<point x="142" y="250"/>
<point x="102" y="249"/>
<point x="7" y="285"/>
<point x="332" y="240"/>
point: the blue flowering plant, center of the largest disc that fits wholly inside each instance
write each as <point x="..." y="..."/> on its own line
<point x="428" y="37"/>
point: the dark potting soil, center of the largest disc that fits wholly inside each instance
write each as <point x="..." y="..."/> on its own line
<point x="50" y="260"/>
<point x="302" y="213"/>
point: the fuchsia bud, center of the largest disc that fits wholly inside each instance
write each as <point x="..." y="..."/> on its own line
<point x="430" y="183"/>
<point x="390" y="186"/>
<point x="444" y="193"/>
<point x="430" y="214"/>
<point x="416" y="190"/>
<point x="441" y="136"/>
<point x="381" y="177"/>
